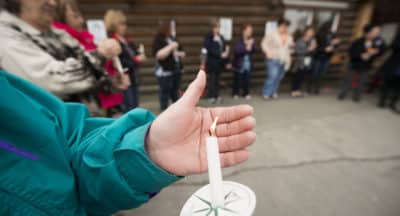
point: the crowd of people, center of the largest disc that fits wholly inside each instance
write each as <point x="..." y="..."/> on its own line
<point x="64" y="59"/>
<point x="56" y="158"/>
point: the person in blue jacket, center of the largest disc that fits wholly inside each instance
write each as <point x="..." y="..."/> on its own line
<point x="57" y="160"/>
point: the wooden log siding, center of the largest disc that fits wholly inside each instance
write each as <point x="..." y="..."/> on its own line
<point x="192" y="18"/>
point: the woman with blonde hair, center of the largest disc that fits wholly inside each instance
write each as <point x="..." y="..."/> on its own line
<point x="131" y="55"/>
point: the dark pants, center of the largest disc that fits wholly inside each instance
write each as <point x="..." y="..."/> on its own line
<point x="391" y="90"/>
<point x="213" y="84"/>
<point x="348" y="81"/>
<point x="168" y="89"/>
<point x="299" y="77"/>
<point x="131" y="98"/>
<point x="241" y="80"/>
<point x="319" y="68"/>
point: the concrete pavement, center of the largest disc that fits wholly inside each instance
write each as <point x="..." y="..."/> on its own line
<point x="313" y="156"/>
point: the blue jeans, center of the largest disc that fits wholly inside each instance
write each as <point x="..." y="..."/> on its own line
<point x="319" y="68"/>
<point x="275" y="72"/>
<point x="131" y="98"/>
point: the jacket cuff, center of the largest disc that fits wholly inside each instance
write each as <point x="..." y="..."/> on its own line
<point x="135" y="166"/>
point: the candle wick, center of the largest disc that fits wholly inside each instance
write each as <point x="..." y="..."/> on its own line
<point x="213" y="127"/>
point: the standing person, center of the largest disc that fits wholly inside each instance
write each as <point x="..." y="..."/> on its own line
<point x="217" y="55"/>
<point x="167" y="51"/>
<point x="130" y="57"/>
<point x="304" y="49"/>
<point x="391" y="78"/>
<point x="362" y="52"/>
<point x="277" y="49"/>
<point x="328" y="43"/>
<point x="243" y="62"/>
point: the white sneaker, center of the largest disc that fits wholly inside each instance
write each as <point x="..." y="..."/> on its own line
<point x="212" y="100"/>
<point x="235" y="97"/>
<point x="248" y="97"/>
<point x="275" y="96"/>
<point x="219" y="100"/>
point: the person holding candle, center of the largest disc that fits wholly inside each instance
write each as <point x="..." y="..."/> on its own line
<point x="304" y="49"/>
<point x="363" y="52"/>
<point x="328" y="43"/>
<point x="168" y="53"/>
<point x="131" y="57"/>
<point x="217" y="56"/>
<point x="97" y="166"/>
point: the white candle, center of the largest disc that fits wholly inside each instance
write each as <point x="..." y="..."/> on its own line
<point x="214" y="169"/>
<point x="310" y="19"/>
<point x="335" y="23"/>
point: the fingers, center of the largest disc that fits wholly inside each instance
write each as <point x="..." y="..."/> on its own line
<point x="236" y="142"/>
<point x="235" y="127"/>
<point x="234" y="158"/>
<point x="195" y="90"/>
<point x="230" y="114"/>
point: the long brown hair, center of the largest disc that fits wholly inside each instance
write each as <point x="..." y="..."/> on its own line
<point x="164" y="28"/>
<point x="61" y="9"/>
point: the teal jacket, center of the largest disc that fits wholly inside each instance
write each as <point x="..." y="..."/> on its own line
<point x="77" y="165"/>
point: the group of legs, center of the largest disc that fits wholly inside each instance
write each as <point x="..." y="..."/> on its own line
<point x="169" y="87"/>
<point x="312" y="76"/>
<point x="356" y="81"/>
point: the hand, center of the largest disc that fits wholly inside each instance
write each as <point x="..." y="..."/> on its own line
<point x="373" y="51"/>
<point x="249" y="44"/>
<point x="121" y="82"/>
<point x="225" y="55"/>
<point x="141" y="57"/>
<point x="174" y="45"/>
<point x="335" y="41"/>
<point x="176" y="140"/>
<point x="365" y="56"/>
<point x="329" y="49"/>
<point x="109" y="48"/>
<point x="314" y="45"/>
<point x="181" y="54"/>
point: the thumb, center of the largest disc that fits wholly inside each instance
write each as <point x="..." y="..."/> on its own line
<point x="193" y="93"/>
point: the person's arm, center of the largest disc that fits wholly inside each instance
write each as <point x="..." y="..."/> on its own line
<point x="266" y="46"/>
<point x="163" y="50"/>
<point x="109" y="158"/>
<point x="32" y="63"/>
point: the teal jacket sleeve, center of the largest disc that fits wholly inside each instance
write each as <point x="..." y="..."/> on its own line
<point x="107" y="157"/>
<point x="110" y="161"/>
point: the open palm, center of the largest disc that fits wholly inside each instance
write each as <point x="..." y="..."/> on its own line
<point x="176" y="140"/>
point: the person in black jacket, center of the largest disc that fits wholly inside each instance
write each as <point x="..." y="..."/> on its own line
<point x="362" y="53"/>
<point x="391" y="77"/>
<point x="217" y="55"/>
<point x="168" y="54"/>
<point x="327" y="45"/>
